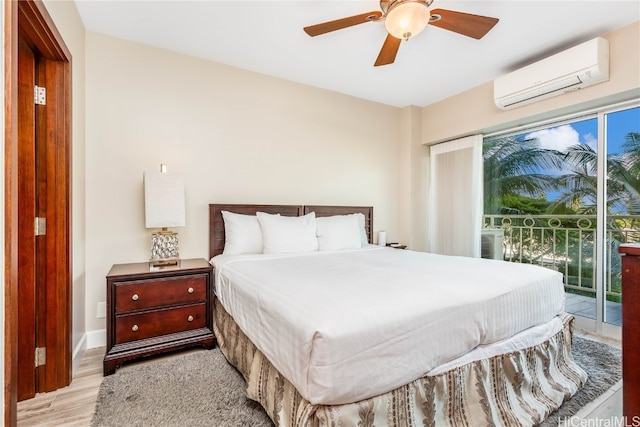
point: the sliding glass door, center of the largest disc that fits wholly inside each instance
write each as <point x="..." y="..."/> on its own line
<point x="564" y="196"/>
<point x="622" y="195"/>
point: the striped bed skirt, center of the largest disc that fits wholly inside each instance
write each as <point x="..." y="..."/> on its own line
<point x="520" y="388"/>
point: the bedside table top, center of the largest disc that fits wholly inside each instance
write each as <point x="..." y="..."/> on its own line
<point x="629" y="248"/>
<point x="145" y="267"/>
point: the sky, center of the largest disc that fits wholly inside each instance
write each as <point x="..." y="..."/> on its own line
<point x="619" y="125"/>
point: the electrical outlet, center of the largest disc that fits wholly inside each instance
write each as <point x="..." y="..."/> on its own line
<point x="101" y="310"/>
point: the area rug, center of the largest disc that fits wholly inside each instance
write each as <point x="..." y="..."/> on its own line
<point x="201" y="389"/>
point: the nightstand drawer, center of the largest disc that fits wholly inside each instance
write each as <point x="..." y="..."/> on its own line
<point x="141" y="294"/>
<point x="133" y="327"/>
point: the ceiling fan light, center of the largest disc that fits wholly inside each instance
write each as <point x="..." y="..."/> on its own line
<point x="407" y="18"/>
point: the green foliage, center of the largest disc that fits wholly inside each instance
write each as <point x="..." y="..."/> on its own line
<point x="511" y="168"/>
<point x="517" y="204"/>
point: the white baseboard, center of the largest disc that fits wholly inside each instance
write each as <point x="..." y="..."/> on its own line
<point x="78" y="354"/>
<point x="91" y="339"/>
<point x="81" y="347"/>
<point x="97" y="338"/>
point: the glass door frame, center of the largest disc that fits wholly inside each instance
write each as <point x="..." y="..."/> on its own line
<point x="599" y="325"/>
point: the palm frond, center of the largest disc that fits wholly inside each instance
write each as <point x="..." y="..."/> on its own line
<point x="516" y="165"/>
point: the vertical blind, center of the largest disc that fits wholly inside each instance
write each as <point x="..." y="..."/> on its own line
<point x="455" y="197"/>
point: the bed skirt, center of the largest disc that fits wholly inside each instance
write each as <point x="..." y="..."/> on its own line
<point x="520" y="388"/>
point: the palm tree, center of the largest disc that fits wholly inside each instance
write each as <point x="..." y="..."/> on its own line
<point x="578" y="185"/>
<point x="512" y="167"/>
<point x="628" y="172"/>
<point x="623" y="178"/>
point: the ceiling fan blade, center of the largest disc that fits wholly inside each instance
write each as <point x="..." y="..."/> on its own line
<point x="475" y="26"/>
<point x="388" y="52"/>
<point x="338" y="24"/>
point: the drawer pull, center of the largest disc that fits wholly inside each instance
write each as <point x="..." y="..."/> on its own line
<point x="190" y="318"/>
<point x="190" y="290"/>
<point x="134" y="328"/>
<point x="135" y="297"/>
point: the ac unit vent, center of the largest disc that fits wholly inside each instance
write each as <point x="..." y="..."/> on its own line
<point x="575" y="68"/>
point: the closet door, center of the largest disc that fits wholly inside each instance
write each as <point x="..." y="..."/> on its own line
<point x="37" y="185"/>
<point x="26" y="218"/>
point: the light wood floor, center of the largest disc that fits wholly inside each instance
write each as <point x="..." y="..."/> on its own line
<point x="74" y="405"/>
<point x="69" y="406"/>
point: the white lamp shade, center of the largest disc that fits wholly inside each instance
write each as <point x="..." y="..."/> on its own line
<point x="407" y="19"/>
<point x="164" y="199"/>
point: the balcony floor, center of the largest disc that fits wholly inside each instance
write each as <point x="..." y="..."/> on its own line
<point x="586" y="307"/>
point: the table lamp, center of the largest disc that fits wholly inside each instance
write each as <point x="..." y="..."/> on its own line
<point x="164" y="207"/>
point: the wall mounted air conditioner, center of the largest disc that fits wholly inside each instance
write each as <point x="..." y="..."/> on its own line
<point x="491" y="240"/>
<point x="572" y="69"/>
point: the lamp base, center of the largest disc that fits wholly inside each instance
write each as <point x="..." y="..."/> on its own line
<point x="169" y="262"/>
<point x="164" y="248"/>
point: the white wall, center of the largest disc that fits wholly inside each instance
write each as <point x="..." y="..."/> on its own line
<point x="413" y="179"/>
<point x="237" y="136"/>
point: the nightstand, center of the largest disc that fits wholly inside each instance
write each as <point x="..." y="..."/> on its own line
<point x="152" y="310"/>
<point x="630" y="324"/>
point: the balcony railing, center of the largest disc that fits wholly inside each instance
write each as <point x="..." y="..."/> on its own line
<point x="567" y="243"/>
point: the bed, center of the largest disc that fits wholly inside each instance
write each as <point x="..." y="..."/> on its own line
<point x="318" y="336"/>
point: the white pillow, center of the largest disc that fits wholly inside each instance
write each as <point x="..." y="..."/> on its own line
<point x="338" y="232"/>
<point x="364" y="238"/>
<point x="287" y="234"/>
<point x="242" y="234"/>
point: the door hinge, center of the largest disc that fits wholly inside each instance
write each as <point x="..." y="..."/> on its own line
<point x="40" y="226"/>
<point x="41" y="356"/>
<point x="40" y="95"/>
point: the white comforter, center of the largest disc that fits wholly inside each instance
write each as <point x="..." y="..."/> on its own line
<point x="345" y="326"/>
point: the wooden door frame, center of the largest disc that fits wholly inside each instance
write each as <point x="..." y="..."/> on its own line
<point x="30" y="20"/>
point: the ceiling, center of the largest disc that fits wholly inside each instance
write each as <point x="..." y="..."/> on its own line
<point x="266" y="37"/>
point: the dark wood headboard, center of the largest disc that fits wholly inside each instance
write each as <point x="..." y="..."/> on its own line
<point x="216" y="223"/>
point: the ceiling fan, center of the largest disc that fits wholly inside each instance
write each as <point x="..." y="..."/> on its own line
<point x="405" y="19"/>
